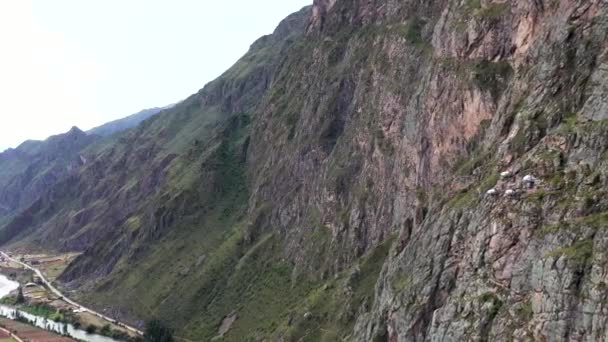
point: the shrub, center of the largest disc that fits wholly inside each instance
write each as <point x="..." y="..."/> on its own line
<point x="91" y="329"/>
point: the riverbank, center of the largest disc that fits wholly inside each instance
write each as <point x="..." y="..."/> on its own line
<point x="17" y="331"/>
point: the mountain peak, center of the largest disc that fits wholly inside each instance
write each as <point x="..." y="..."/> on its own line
<point x="75" y="130"/>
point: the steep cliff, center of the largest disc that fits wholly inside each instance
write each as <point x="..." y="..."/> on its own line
<point x="395" y="119"/>
<point x="332" y="184"/>
<point x="423" y="105"/>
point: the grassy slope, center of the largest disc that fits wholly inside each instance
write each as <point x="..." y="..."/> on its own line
<point x="187" y="252"/>
<point x="185" y="265"/>
<point x="165" y="282"/>
<point x="13" y="164"/>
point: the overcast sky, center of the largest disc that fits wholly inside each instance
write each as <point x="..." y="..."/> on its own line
<point x="82" y="63"/>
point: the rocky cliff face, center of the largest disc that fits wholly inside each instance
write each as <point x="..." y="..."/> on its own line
<point x="332" y="184"/>
<point x="319" y="13"/>
<point x="406" y="114"/>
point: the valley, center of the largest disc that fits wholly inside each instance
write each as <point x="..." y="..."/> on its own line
<point x="35" y="274"/>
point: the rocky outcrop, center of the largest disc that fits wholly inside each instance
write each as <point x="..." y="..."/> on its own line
<point x="523" y="267"/>
<point x="319" y="12"/>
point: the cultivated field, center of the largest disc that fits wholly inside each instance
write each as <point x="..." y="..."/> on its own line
<point x="30" y="333"/>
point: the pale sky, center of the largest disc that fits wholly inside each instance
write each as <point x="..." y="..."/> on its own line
<point x="82" y="63"/>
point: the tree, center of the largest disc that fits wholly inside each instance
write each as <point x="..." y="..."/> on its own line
<point x="156" y="331"/>
<point x="20" y="297"/>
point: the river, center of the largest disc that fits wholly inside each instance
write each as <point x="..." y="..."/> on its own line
<point x="7" y="286"/>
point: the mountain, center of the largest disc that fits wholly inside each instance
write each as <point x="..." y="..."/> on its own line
<point x="34" y="167"/>
<point x="332" y="185"/>
<point x="172" y="188"/>
<point x="126" y="123"/>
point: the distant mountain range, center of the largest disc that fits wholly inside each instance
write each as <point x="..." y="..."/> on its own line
<point x="35" y="166"/>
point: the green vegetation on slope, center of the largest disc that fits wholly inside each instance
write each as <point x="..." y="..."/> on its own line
<point x="331" y="308"/>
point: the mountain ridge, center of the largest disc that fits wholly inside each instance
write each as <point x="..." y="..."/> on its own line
<point x="126" y="122"/>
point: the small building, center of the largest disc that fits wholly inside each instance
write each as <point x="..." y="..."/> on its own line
<point x="529" y="181"/>
<point x="492" y="192"/>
